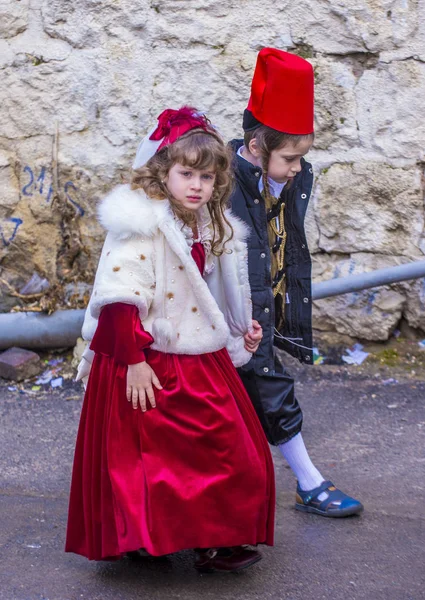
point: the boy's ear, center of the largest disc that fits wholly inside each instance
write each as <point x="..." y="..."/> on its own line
<point x="253" y="148"/>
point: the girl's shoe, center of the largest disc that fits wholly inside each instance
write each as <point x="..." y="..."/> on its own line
<point x="138" y="554"/>
<point x="336" y="504"/>
<point x="226" y="560"/>
<point x="142" y="555"/>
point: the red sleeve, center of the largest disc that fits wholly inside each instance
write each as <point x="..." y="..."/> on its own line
<point x="120" y="334"/>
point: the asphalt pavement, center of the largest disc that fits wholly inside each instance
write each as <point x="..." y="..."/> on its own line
<point x="367" y="437"/>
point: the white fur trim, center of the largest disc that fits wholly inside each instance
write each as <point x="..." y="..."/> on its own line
<point x="236" y="349"/>
<point x="241" y="231"/>
<point x="162" y="332"/>
<point x="84" y="366"/>
<point x="229" y="284"/>
<point x="244" y="281"/>
<point x="125" y="212"/>
<point x="113" y="297"/>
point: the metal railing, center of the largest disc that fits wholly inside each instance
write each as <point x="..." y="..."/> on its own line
<point x="363" y="281"/>
<point x="62" y="328"/>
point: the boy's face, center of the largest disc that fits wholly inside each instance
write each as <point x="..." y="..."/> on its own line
<point x="190" y="187"/>
<point x="285" y="162"/>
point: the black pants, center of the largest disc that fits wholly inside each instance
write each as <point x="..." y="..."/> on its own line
<point x="273" y="398"/>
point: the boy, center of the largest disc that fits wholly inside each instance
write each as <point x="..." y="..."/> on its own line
<point x="273" y="186"/>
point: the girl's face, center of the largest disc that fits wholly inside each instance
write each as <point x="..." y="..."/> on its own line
<point x="285" y="162"/>
<point x="191" y="188"/>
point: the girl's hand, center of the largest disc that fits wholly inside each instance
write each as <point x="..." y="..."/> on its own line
<point x="252" y="340"/>
<point x="140" y="379"/>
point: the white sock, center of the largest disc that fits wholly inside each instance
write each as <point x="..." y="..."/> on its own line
<point x="295" y="453"/>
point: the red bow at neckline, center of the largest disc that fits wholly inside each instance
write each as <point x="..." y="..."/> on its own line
<point x="172" y="124"/>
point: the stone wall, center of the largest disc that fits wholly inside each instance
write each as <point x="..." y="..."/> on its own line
<point x="83" y="80"/>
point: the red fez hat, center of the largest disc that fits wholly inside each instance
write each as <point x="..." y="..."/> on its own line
<point x="282" y="93"/>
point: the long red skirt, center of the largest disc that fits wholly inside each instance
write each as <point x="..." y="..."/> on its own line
<point x="194" y="472"/>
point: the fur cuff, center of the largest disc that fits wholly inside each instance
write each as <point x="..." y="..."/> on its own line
<point x="236" y="349"/>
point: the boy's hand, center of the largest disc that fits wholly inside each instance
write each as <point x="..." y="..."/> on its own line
<point x="140" y="379"/>
<point x="252" y="340"/>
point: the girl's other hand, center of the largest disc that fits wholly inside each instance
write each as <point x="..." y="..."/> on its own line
<point x="140" y="381"/>
<point x="253" y="339"/>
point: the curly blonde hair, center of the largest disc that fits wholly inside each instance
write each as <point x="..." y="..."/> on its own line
<point x="197" y="149"/>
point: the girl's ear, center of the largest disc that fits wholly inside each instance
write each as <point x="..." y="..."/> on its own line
<point x="254" y="149"/>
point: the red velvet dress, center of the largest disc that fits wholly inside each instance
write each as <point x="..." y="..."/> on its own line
<point x="194" y="472"/>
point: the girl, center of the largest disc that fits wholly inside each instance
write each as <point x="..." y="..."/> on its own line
<point x="170" y="454"/>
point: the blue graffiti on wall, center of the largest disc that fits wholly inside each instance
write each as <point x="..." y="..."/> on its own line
<point x="7" y="232"/>
<point x="355" y="297"/>
<point x="370" y="301"/>
<point x="38" y="186"/>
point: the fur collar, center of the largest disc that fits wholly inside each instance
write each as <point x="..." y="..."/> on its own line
<point x="125" y="212"/>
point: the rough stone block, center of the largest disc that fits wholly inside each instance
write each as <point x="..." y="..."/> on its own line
<point x="13" y="18"/>
<point x="370" y="314"/>
<point x="19" y="364"/>
<point x="370" y="207"/>
<point x="388" y="100"/>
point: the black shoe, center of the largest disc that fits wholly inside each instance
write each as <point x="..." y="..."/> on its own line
<point x="142" y="555"/>
<point x="226" y="560"/>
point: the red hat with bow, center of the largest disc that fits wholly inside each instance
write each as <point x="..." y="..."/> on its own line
<point x="282" y="93"/>
<point x="172" y="124"/>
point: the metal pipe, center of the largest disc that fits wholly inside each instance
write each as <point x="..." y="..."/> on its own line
<point x="362" y="281"/>
<point x="38" y="330"/>
<point x="62" y="328"/>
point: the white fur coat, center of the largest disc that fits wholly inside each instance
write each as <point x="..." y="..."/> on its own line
<point x="146" y="261"/>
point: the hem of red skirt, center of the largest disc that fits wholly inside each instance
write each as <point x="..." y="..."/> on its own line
<point x="171" y="550"/>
